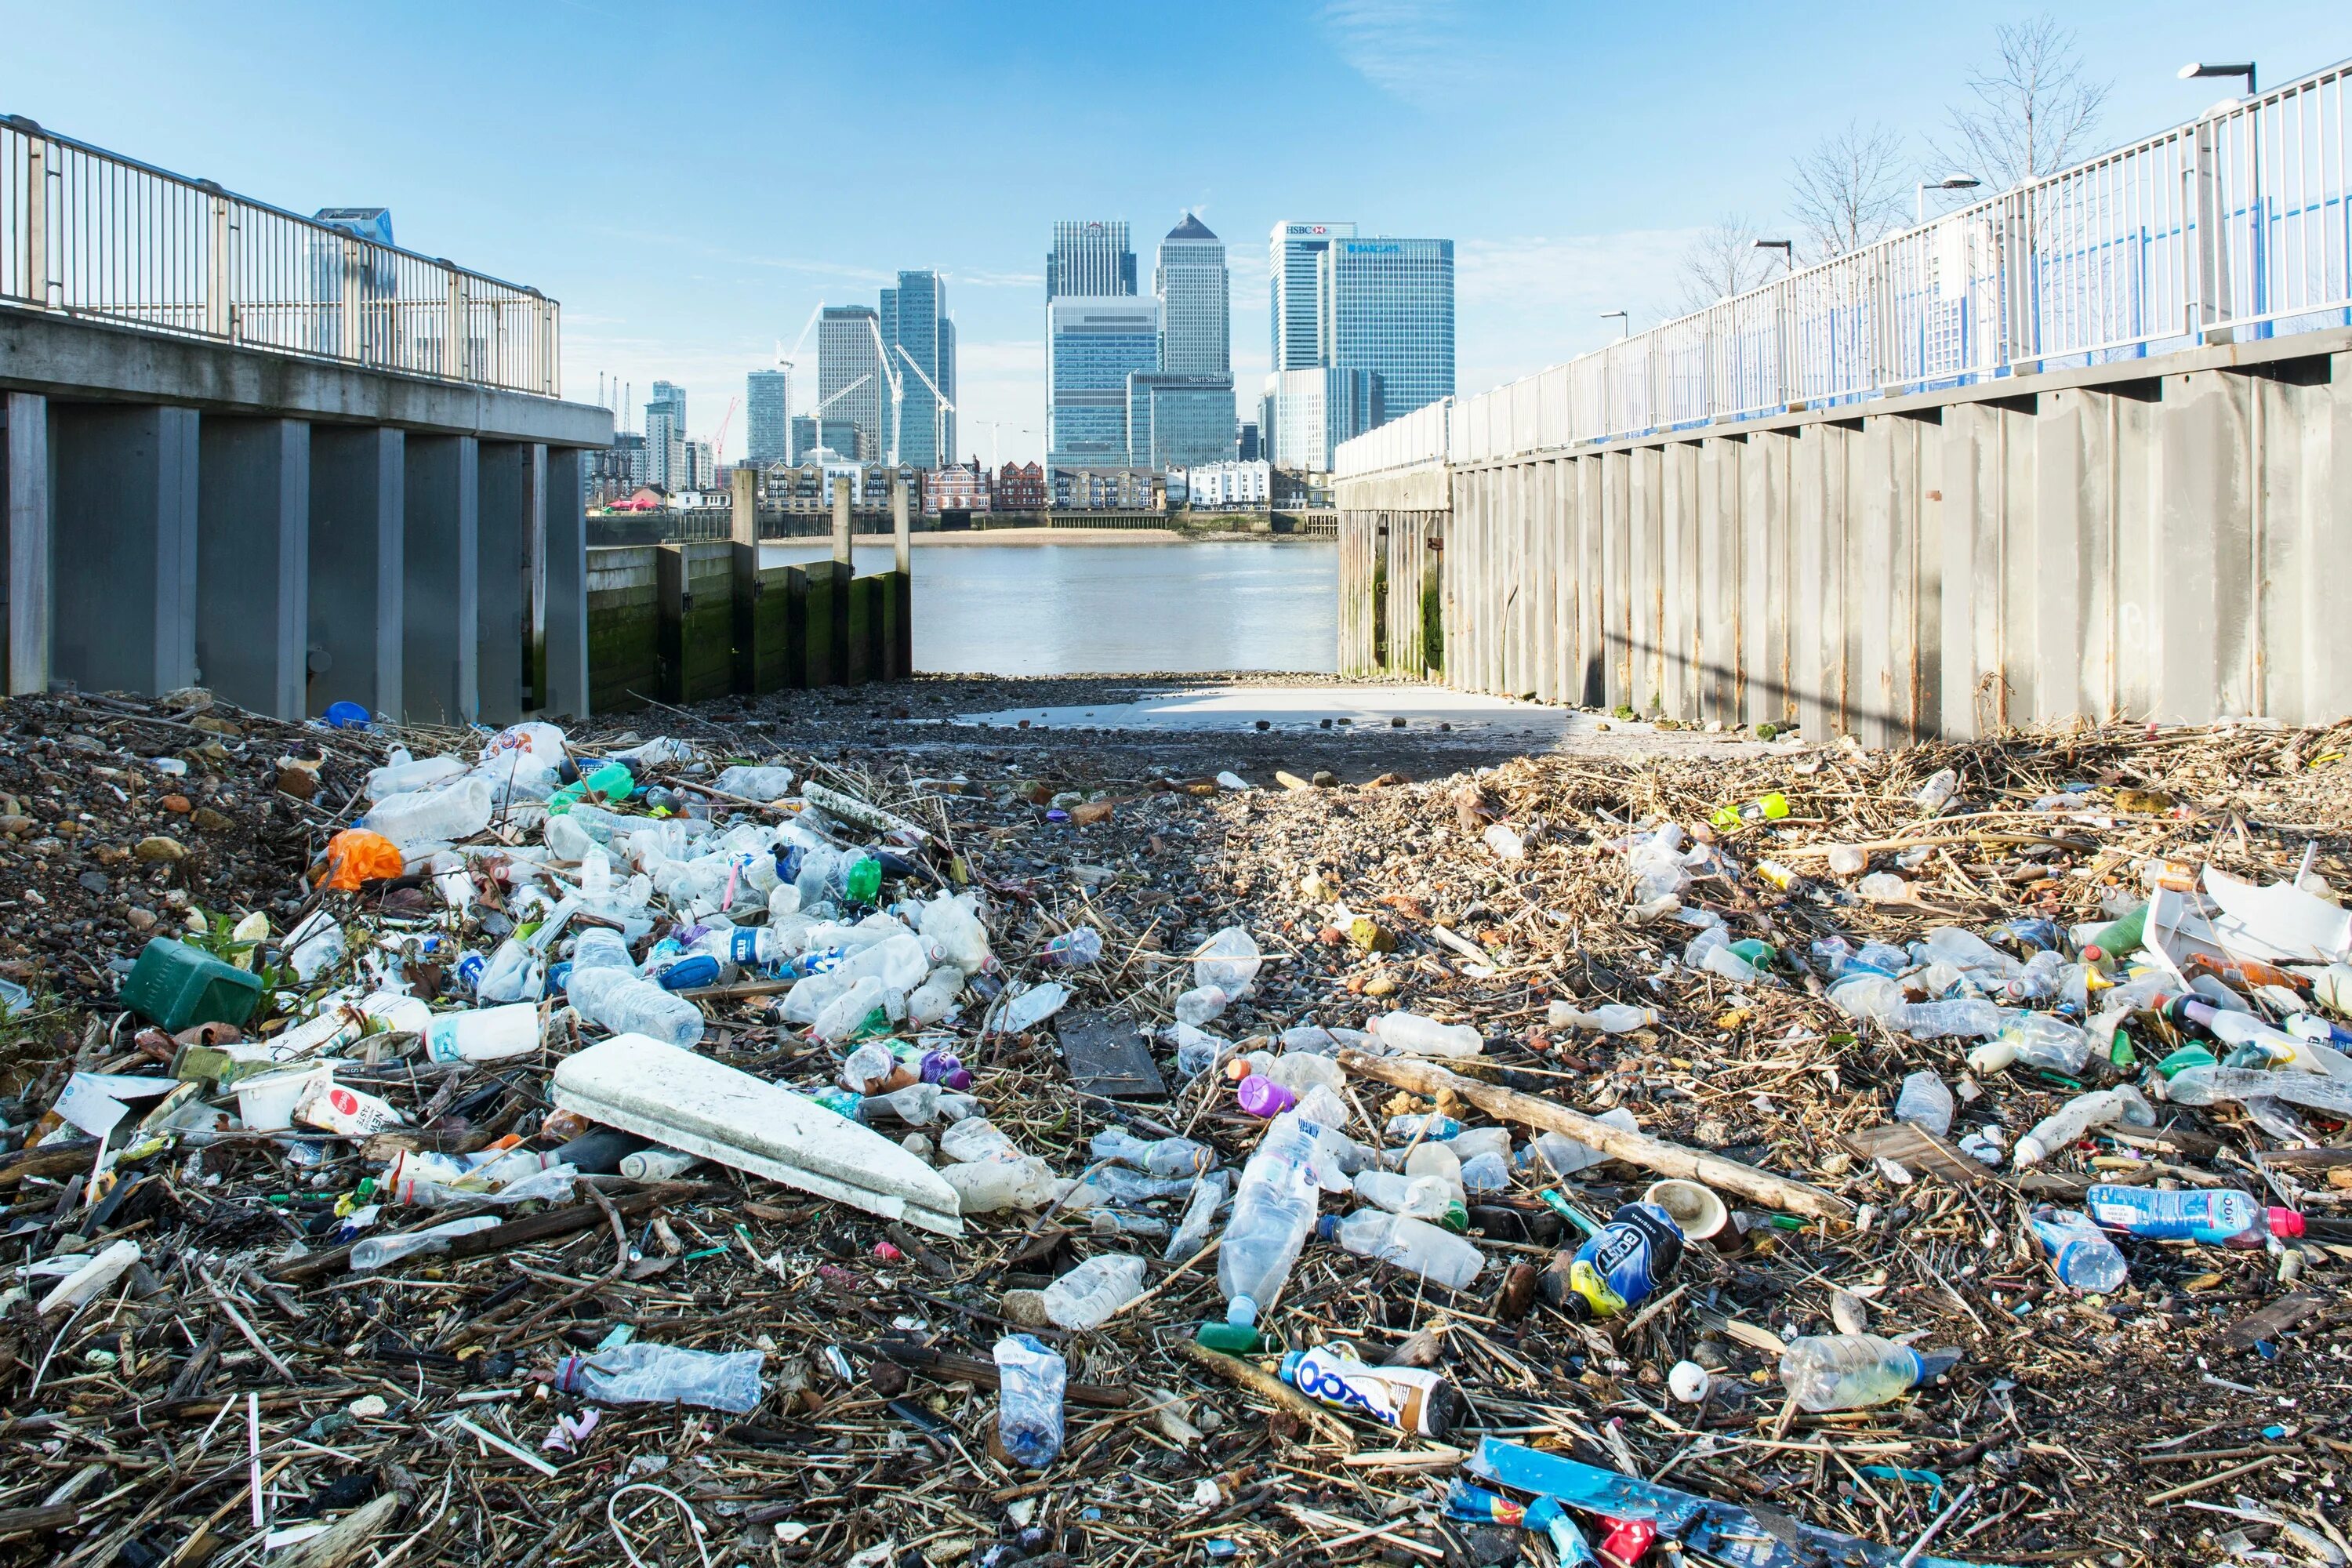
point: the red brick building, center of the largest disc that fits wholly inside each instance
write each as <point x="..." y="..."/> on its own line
<point x="1021" y="487"/>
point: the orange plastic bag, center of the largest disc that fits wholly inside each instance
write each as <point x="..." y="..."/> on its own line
<point x="356" y="855"/>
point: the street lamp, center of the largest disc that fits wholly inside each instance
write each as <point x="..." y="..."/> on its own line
<point x="1948" y="183"/>
<point x="1787" y="247"/>
<point x="1628" y="320"/>
<point x="2196" y="69"/>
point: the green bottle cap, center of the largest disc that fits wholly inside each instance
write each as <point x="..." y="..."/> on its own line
<point x="2183" y="1059"/>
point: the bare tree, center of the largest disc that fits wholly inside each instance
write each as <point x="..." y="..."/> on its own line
<point x="1850" y="189"/>
<point x="2035" y="110"/>
<point x="1722" y="261"/>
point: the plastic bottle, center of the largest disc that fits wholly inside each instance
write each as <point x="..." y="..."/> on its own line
<point x="746" y="947"/>
<point x="485" y="1034"/>
<point x="918" y="1104"/>
<point x="962" y="941"/>
<point x="1852" y="1371"/>
<point x="1484" y="1173"/>
<point x="1261" y="1097"/>
<point x="1414" y="1246"/>
<point x="1090" y="1293"/>
<point x="1297" y="1072"/>
<point x="2307" y="1053"/>
<point x="1470" y="1142"/>
<point x="1767" y="808"/>
<point x="2067" y="1124"/>
<point x="454" y="812"/>
<point x="1968" y="1016"/>
<point x="2037" y="1039"/>
<point x="2079" y="1251"/>
<point x="1410" y="1033"/>
<point x="601" y="947"/>
<point x="1072" y="949"/>
<point x="1609" y="1017"/>
<point x="760" y="784"/>
<point x="1865" y="994"/>
<point x="1438" y="1160"/>
<point x="1201" y="1207"/>
<point x="1197" y="1050"/>
<point x="112" y="1261"/>
<point x="1924" y="1102"/>
<point x="984" y="1186"/>
<point x="1550" y="1154"/>
<point x="641" y="1374"/>
<point x="1228" y="961"/>
<point x="1274" y="1208"/>
<point x="1884" y="888"/>
<point x="616" y="1001"/>
<point x="1937" y="794"/>
<point x="1024" y="1010"/>
<point x="1201" y="1003"/>
<point x="1417" y="1197"/>
<point x="863" y="1009"/>
<point x="399" y="775"/>
<point x="383" y="1252"/>
<point x="1031" y="1379"/>
<point x="2213" y="1215"/>
<point x="613" y="782"/>
<point x="1159" y="1156"/>
<point x="2207" y="1086"/>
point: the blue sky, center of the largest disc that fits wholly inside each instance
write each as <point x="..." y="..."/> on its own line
<point x="690" y="180"/>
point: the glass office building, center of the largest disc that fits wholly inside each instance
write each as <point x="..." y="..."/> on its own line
<point x="914" y="327"/>
<point x="1092" y="345"/>
<point x="1294" y="309"/>
<point x="849" y="382"/>
<point x="1091" y="257"/>
<point x="1196" y="301"/>
<point x="1177" y="421"/>
<point x="767" y="423"/>
<point x="1390" y="312"/>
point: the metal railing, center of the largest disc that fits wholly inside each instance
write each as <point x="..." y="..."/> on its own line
<point x="2235" y="224"/>
<point x="85" y="232"/>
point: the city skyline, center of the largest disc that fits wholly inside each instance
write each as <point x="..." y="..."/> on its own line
<point x="1541" y="140"/>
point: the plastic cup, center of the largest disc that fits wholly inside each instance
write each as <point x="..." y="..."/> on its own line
<point x="1695" y="1208"/>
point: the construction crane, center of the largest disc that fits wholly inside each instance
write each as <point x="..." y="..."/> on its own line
<point x="817" y="414"/>
<point x="996" y="428"/>
<point x="940" y="409"/>
<point x="790" y="363"/>
<point x="891" y="379"/>
<point x="719" y="442"/>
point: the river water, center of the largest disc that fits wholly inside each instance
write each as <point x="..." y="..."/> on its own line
<point x="1114" y="609"/>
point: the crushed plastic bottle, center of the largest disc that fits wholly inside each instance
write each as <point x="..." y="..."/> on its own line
<point x="1417" y="1197"/>
<point x="1156" y="1156"/>
<point x="642" y="1374"/>
<point x="1074" y="949"/>
<point x="1924" y="1102"/>
<point x="1937" y="794"/>
<point x="759" y="784"/>
<point x="2211" y="1085"/>
<point x="1031" y="1381"/>
<point x="1228" y="961"/>
<point x="1553" y="1155"/>
<point x="616" y="1001"/>
<point x="488" y="1035"/>
<point x="1024" y="1010"/>
<point x="1609" y="1018"/>
<point x="371" y="1253"/>
<point x="1191" y="1232"/>
<point x="1854" y="1372"/>
<point x="1966" y="1016"/>
<point x="1200" y="1004"/>
<point x="1618" y="1267"/>
<point x="1884" y="888"/>
<point x="2067" y="1124"/>
<point x="2079" y="1251"/>
<point x="1087" y="1295"/>
<point x="2037" y="1039"/>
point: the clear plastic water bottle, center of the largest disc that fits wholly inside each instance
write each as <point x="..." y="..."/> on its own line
<point x="642" y="1374"/>
<point x="1031" y="1379"/>
<point x="1197" y="1050"/>
<point x="2207" y="1086"/>
<point x="376" y="1252"/>
<point x="1414" y="1246"/>
<point x="1274" y="1208"/>
<point x="451" y="812"/>
<point x="2080" y="1251"/>
<point x="1852" y="1371"/>
<point x="2067" y="1124"/>
<point x="1486" y="1171"/>
<point x="1924" y="1102"/>
<point x="1201" y="1003"/>
<point x="615" y="1000"/>
<point x="1074" y="949"/>
<point x="2037" y="1039"/>
<point x="1160" y="1156"/>
<point x="1090" y="1293"/>
<point x="1968" y="1016"/>
<point x="1418" y="1198"/>
<point x="1410" y="1033"/>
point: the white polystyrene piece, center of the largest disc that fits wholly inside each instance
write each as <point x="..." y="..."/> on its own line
<point x="691" y="1103"/>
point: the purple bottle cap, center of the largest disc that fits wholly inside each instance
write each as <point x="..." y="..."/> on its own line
<point x="945" y="1070"/>
<point x="1261" y="1096"/>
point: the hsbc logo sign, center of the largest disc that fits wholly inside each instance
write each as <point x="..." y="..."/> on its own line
<point x="1306" y="228"/>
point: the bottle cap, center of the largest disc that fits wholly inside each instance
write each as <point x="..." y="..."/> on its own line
<point x="1242" y="1311"/>
<point x="1326" y="1227"/>
<point x="1261" y="1096"/>
<point x="2285" y="1224"/>
<point x="1934" y="1364"/>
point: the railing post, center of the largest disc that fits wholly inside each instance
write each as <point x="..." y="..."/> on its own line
<point x="220" y="319"/>
<point x="36" y="220"/>
<point x="2209" y="256"/>
<point x="453" y="334"/>
<point x="347" y="344"/>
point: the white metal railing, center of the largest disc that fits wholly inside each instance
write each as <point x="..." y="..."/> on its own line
<point x="85" y="232"/>
<point x="2236" y="224"/>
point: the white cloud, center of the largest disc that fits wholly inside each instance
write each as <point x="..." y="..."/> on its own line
<point x="1415" y="49"/>
<point x="1526" y="302"/>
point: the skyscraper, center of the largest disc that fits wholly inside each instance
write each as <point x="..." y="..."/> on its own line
<point x="666" y="437"/>
<point x="915" y="320"/>
<point x="767" y="426"/>
<point x="1294" y="305"/>
<point x="1092" y="343"/>
<point x="1090" y="257"/>
<point x="1390" y="312"/>
<point x="1177" y="421"/>
<point x="1196" y="301"/>
<point x="849" y="381"/>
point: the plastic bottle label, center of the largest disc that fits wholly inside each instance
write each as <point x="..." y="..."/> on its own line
<point x="1620" y="1266"/>
<point x="1406" y="1398"/>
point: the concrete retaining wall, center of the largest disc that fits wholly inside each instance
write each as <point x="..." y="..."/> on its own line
<point x="2145" y="541"/>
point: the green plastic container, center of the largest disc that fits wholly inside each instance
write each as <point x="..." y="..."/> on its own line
<point x="173" y="986"/>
